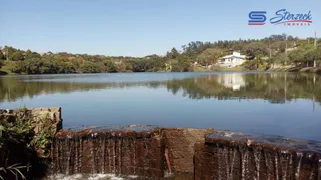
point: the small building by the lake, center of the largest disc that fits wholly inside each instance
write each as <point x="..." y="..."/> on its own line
<point x="232" y="60"/>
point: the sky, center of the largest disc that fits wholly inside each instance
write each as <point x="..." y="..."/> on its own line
<point x="140" y="27"/>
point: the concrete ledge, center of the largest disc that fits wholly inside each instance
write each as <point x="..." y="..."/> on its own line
<point x="230" y="155"/>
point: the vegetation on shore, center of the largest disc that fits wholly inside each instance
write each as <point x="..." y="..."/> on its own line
<point x="276" y="51"/>
<point x="20" y="145"/>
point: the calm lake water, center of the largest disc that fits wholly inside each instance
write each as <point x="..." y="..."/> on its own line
<point x="283" y="104"/>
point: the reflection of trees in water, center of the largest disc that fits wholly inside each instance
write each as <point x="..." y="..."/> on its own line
<point x="274" y="87"/>
<point x="12" y="89"/>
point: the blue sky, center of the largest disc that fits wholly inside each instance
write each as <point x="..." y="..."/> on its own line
<point x="139" y="27"/>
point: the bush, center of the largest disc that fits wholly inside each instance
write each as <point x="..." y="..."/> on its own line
<point x="19" y="142"/>
<point x="250" y="65"/>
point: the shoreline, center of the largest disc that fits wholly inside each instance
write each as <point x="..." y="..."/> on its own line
<point x="316" y="70"/>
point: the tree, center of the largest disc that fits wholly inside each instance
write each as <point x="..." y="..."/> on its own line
<point x="174" y="53"/>
<point x="184" y="63"/>
<point x="16" y="56"/>
<point x="2" y="57"/>
<point x="89" y="67"/>
<point x="8" y="51"/>
<point x="312" y="55"/>
<point x="255" y="49"/>
<point x="251" y="65"/>
<point x="281" y="58"/>
<point x="109" y="66"/>
<point x="209" y="56"/>
<point x="30" y="55"/>
<point x="306" y="54"/>
<point x="121" y="67"/>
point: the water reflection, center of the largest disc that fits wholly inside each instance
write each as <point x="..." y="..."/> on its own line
<point x="268" y="103"/>
<point x="274" y="87"/>
<point x="234" y="81"/>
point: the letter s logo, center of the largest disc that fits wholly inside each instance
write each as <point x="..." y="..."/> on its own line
<point x="257" y="17"/>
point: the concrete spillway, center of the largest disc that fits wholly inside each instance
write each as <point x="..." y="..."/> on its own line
<point x="131" y="150"/>
<point x="152" y="152"/>
<point x="229" y="155"/>
<point x="156" y="153"/>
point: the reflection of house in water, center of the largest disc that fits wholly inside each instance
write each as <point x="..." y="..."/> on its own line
<point x="234" y="81"/>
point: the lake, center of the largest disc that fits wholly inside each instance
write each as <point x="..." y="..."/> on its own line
<point x="285" y="104"/>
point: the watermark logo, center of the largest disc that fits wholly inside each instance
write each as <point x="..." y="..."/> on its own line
<point x="282" y="16"/>
<point x="257" y="17"/>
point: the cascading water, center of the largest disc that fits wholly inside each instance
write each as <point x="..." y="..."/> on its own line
<point x="244" y="160"/>
<point x="108" y="151"/>
<point x="124" y="152"/>
<point x="319" y="170"/>
<point x="297" y="173"/>
<point x="261" y="159"/>
<point x="257" y="156"/>
<point x="276" y="160"/>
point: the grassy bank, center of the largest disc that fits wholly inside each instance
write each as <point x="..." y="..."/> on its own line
<point x="297" y="69"/>
<point x="5" y="71"/>
<point x="234" y="69"/>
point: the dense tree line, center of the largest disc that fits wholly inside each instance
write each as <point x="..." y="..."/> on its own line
<point x="262" y="53"/>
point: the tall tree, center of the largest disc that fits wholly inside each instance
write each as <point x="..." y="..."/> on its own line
<point x="174" y="53"/>
<point x="184" y="63"/>
<point x="209" y="56"/>
<point x="16" y="56"/>
<point x="2" y="57"/>
<point x="255" y="49"/>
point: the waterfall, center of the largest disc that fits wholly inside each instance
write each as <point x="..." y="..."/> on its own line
<point x="219" y="164"/>
<point x="276" y="159"/>
<point x="257" y="157"/>
<point x="80" y="156"/>
<point x="319" y="170"/>
<point x="92" y="154"/>
<point x="143" y="154"/>
<point x="297" y="174"/>
<point x="244" y="160"/>
<point x="267" y="164"/>
<point x="231" y="164"/>
<point x="134" y="156"/>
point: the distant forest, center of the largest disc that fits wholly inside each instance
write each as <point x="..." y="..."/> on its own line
<point x="280" y="50"/>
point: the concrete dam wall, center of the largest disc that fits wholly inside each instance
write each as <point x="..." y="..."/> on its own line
<point x="151" y="152"/>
